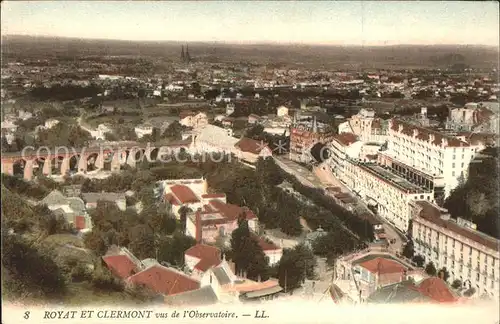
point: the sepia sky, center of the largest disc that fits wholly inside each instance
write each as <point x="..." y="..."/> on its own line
<point x="311" y="22"/>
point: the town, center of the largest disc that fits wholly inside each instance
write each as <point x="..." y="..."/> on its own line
<point x="185" y="176"/>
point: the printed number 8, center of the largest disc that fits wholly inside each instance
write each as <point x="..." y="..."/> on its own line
<point x="26" y="315"/>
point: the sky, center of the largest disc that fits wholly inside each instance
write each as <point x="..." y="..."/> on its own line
<point x="306" y="22"/>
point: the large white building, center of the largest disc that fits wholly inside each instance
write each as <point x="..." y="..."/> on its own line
<point x="426" y="156"/>
<point x="389" y="193"/>
<point x="213" y="139"/>
<point x="343" y="147"/>
<point x="469" y="255"/>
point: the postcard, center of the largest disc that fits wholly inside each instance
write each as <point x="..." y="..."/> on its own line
<point x="250" y="161"/>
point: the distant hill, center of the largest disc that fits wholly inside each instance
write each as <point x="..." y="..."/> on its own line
<point x="346" y="57"/>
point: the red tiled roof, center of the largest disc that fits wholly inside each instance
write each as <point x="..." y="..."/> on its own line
<point x="184" y="194"/>
<point x="383" y="266"/>
<point x="345" y="139"/>
<point x="250" y="145"/>
<point x="265" y="245"/>
<point x="164" y="280"/>
<point x="230" y="211"/>
<point x="209" y="256"/>
<point x="213" y="196"/>
<point x="171" y="199"/>
<point x="436" y="289"/>
<point x="424" y="134"/>
<point x="432" y="214"/>
<point x="120" y="265"/>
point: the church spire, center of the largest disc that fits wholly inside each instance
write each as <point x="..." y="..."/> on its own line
<point x="188" y="57"/>
<point x="183" y="56"/>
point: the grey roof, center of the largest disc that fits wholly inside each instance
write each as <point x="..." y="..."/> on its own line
<point x="263" y="292"/>
<point x="55" y="197"/>
<point x="203" y="296"/>
<point x="93" y="197"/>
<point x="221" y="276"/>
<point x="400" y="292"/>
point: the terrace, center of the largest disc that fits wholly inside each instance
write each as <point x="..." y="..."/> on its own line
<point x="392" y="178"/>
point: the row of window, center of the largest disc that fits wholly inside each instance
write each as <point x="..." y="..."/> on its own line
<point x="426" y="235"/>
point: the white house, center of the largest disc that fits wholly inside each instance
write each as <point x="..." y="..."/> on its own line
<point x="143" y="130"/>
<point x="429" y="152"/>
<point x="282" y="111"/>
<point x="199" y="120"/>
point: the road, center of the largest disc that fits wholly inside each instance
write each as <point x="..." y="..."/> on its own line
<point x="328" y="179"/>
<point x="322" y="179"/>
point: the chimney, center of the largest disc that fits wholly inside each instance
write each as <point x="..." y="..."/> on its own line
<point x="415" y="132"/>
<point x="198" y="226"/>
<point x="445" y="216"/>
<point x="400" y="128"/>
<point x="444" y="142"/>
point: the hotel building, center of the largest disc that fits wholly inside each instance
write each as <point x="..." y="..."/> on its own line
<point x="469" y="255"/>
<point x="426" y="157"/>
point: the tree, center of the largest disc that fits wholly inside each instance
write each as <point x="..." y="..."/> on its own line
<point x="419" y="260"/>
<point x="173" y="131"/>
<point x="29" y="271"/>
<point x="332" y="245"/>
<point x="142" y="241"/>
<point x="171" y="249"/>
<point x="457" y="284"/>
<point x="430" y="269"/>
<point x="408" y="250"/>
<point x="295" y="266"/>
<point x="443" y="274"/>
<point x="183" y="211"/>
<point x="247" y="254"/>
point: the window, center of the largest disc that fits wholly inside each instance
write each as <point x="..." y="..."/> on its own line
<point x="454" y="156"/>
<point x="453" y="165"/>
<point x="453" y="173"/>
<point x="478" y="277"/>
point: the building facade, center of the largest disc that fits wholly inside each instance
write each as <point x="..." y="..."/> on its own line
<point x="469" y="255"/>
<point x="427" y="157"/>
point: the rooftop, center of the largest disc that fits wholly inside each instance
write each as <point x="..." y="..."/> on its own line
<point x="208" y="256"/>
<point x="391" y="178"/>
<point x="425" y="134"/>
<point x="431" y="213"/>
<point x="165" y="280"/>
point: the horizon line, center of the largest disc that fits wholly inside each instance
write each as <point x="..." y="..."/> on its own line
<point x="249" y="43"/>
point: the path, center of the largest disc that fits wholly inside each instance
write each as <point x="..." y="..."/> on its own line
<point x="392" y="234"/>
